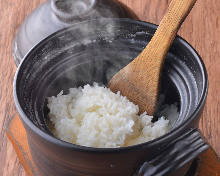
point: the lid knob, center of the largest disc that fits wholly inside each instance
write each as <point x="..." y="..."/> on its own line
<point x="69" y="10"/>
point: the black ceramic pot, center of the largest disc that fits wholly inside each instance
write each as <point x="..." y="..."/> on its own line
<point x="73" y="57"/>
<point x="54" y="15"/>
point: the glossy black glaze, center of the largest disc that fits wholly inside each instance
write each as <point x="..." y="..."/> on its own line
<point x="54" y="15"/>
<point x="73" y="57"/>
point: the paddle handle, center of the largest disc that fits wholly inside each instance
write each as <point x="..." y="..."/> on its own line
<point x="159" y="45"/>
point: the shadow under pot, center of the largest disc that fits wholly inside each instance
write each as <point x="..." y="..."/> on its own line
<point x="74" y="57"/>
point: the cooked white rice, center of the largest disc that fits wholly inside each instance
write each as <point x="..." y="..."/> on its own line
<point x="96" y="117"/>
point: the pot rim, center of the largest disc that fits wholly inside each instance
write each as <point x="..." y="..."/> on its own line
<point x="159" y="140"/>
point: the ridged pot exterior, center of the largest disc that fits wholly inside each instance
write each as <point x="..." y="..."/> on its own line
<point x="66" y="60"/>
<point x="56" y="160"/>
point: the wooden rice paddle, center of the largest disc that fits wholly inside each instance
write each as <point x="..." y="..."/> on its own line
<point x="139" y="80"/>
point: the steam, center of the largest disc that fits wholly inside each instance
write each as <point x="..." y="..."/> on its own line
<point x="97" y="39"/>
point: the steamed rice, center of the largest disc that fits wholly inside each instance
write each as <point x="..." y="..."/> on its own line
<point x="94" y="116"/>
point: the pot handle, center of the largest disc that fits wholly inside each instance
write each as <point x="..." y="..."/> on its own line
<point x="179" y="152"/>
